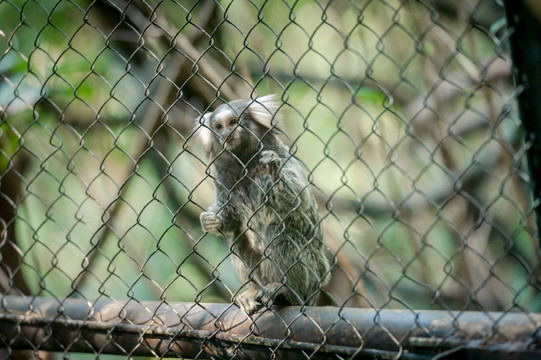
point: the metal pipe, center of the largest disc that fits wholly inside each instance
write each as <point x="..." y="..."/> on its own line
<point x="525" y="39"/>
<point x="221" y="330"/>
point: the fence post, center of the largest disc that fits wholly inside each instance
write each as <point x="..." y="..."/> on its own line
<point x="525" y="38"/>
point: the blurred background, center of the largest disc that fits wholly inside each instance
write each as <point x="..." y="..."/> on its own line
<point x="404" y="113"/>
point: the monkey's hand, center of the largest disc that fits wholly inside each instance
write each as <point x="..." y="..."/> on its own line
<point x="272" y="162"/>
<point x="210" y="222"/>
<point x="251" y="299"/>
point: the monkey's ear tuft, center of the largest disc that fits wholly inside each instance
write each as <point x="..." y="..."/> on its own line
<point x="266" y="111"/>
<point x="205" y="134"/>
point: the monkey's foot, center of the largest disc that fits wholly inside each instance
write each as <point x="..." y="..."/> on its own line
<point x="268" y="293"/>
<point x="272" y="161"/>
<point x="251" y="299"/>
<point x="247" y="301"/>
<point x="210" y="222"/>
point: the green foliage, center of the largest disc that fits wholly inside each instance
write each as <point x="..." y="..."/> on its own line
<point x="418" y="164"/>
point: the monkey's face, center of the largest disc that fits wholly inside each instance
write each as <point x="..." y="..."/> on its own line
<point x="239" y="126"/>
<point x="225" y="123"/>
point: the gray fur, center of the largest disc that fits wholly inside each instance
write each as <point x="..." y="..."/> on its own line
<point x="264" y="207"/>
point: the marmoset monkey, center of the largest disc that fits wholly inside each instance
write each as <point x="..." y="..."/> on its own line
<point x="264" y="206"/>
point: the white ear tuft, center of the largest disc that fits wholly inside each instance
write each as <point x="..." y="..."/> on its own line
<point x="265" y="110"/>
<point x="205" y="134"/>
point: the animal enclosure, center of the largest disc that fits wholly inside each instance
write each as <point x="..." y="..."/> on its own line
<point x="405" y="116"/>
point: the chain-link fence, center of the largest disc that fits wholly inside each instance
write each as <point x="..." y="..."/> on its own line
<point x="142" y="213"/>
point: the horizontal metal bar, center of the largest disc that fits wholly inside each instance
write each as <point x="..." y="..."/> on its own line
<point x="221" y="330"/>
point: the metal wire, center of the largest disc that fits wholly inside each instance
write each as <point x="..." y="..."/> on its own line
<point x="403" y="114"/>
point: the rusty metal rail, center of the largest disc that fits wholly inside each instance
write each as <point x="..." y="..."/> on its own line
<point x="222" y="331"/>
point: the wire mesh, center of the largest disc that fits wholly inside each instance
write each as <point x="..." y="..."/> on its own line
<point x="402" y="113"/>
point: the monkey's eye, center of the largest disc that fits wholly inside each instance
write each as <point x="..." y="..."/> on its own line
<point x="218" y="126"/>
<point x="233" y="121"/>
